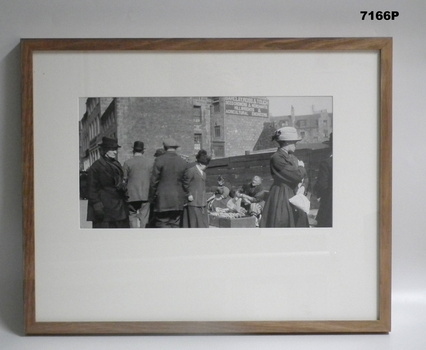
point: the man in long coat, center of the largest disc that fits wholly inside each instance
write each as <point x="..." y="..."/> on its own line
<point x="166" y="190"/>
<point x="137" y="173"/>
<point x="324" y="189"/>
<point x="107" y="207"/>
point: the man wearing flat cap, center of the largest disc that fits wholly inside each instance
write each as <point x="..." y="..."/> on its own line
<point x="107" y="207"/>
<point x="166" y="190"/>
<point x="137" y="173"/>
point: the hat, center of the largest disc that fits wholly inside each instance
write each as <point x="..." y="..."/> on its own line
<point x="138" y="146"/>
<point x="202" y="157"/>
<point x="256" y="180"/>
<point x="170" y="143"/>
<point x="287" y="133"/>
<point x="108" y="142"/>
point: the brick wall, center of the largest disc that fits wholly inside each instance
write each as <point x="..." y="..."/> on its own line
<point x="242" y="133"/>
<point x="239" y="170"/>
<point x="151" y="120"/>
<point x="203" y="128"/>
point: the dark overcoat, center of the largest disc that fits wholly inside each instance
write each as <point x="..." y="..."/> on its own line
<point x="137" y="173"/>
<point x="287" y="174"/>
<point x="256" y="192"/>
<point x="324" y="190"/>
<point x="106" y="196"/>
<point x="195" y="213"/>
<point x="166" y="190"/>
<point x="194" y="184"/>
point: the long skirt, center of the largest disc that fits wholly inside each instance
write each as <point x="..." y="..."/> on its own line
<point x="279" y="212"/>
<point x="195" y="217"/>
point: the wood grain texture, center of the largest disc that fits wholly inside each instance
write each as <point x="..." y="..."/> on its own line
<point x="204" y="328"/>
<point x="385" y="184"/>
<point x="256" y="44"/>
<point x="383" y="322"/>
<point x="28" y="184"/>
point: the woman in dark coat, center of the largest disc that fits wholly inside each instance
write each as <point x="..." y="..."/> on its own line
<point x="288" y="173"/>
<point x="195" y="213"/>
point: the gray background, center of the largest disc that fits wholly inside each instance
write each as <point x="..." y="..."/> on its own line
<point x="227" y="18"/>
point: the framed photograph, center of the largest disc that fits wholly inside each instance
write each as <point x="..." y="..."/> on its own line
<point x="207" y="186"/>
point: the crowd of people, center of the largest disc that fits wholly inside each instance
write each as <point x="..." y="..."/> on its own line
<point x="170" y="192"/>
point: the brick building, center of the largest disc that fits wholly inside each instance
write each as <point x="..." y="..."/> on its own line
<point x="224" y="126"/>
<point x="229" y="128"/>
<point x="314" y="128"/>
<point x="236" y="124"/>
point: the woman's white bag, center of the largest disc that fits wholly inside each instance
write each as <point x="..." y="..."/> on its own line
<point x="300" y="201"/>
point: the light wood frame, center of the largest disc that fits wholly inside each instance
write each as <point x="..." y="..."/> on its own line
<point x="383" y="322"/>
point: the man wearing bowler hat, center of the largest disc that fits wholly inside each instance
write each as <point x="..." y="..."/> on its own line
<point x="106" y="192"/>
<point x="137" y="173"/>
<point x="166" y="190"/>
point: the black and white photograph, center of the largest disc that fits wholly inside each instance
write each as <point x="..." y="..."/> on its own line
<point x="206" y="162"/>
<point x="217" y="119"/>
<point x="230" y="143"/>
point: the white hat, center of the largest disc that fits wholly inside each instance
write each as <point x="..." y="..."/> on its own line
<point x="287" y="133"/>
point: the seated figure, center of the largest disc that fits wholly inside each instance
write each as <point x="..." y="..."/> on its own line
<point x="217" y="201"/>
<point x="221" y="186"/>
<point x="253" y="196"/>
<point x="235" y="201"/>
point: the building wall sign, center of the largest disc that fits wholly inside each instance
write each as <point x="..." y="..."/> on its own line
<point x="248" y="106"/>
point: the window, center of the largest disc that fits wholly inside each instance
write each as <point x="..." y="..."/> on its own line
<point x="216" y="107"/>
<point x="197" y="141"/>
<point x="217" y="131"/>
<point x="196" y="113"/>
<point x="98" y="125"/>
<point x="218" y="151"/>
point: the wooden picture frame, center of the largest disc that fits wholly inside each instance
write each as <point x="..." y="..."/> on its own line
<point x="40" y="255"/>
